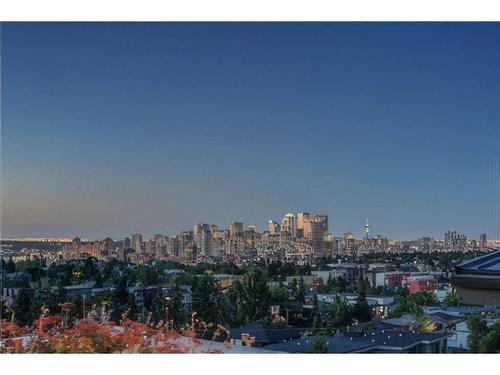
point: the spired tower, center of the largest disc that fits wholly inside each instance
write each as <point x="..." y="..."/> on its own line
<point x="367" y="229"/>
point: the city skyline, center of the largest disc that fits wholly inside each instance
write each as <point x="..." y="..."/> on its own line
<point x="112" y="128"/>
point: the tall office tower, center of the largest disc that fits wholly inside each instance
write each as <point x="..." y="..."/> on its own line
<point x="160" y="241"/>
<point x="455" y="240"/>
<point x="302" y="218"/>
<point x="126" y="243"/>
<point x="215" y="248"/>
<point x="136" y="242"/>
<point x="236" y="231"/>
<point x="181" y="244"/>
<point x="274" y="227"/>
<point x="483" y="241"/>
<point x="308" y="227"/>
<point x="285" y="237"/>
<point x="108" y="244"/>
<point x="324" y="220"/>
<point x="76" y="242"/>
<point x="289" y="224"/>
<point x="202" y="237"/>
<point x="318" y="236"/>
<point x="250" y="235"/>
<point x="149" y="247"/>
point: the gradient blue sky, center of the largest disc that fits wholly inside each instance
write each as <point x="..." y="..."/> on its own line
<point x="116" y="127"/>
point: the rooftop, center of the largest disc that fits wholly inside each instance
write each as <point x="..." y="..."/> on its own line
<point x="387" y="340"/>
<point x="267" y="335"/>
<point x="486" y="264"/>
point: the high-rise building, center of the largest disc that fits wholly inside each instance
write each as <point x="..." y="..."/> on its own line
<point x="160" y="241"/>
<point x="483" y="241"/>
<point x="455" y="240"/>
<point x="202" y="236"/>
<point x="302" y="219"/>
<point x="126" y="243"/>
<point x="136" y="242"/>
<point x="182" y="243"/>
<point x="324" y="220"/>
<point x="289" y="225"/>
<point x="250" y="233"/>
<point x="236" y="231"/>
<point x="76" y="242"/>
<point x="149" y="247"/>
<point x="107" y="244"/>
<point x="318" y="236"/>
<point x="308" y="227"/>
<point x="274" y="227"/>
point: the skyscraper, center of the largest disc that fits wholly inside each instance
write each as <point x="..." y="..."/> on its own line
<point x="236" y="231"/>
<point x="136" y="242"/>
<point x="324" y="220"/>
<point x="274" y="227"/>
<point x="289" y="225"/>
<point x="455" y="240"/>
<point x="318" y="236"/>
<point x="302" y="219"/>
<point x="483" y="241"/>
<point x="202" y="236"/>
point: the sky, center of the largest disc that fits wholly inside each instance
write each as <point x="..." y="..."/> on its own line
<point x="112" y="128"/>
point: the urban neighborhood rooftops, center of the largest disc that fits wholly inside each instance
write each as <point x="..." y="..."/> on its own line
<point x="267" y="335"/>
<point x="372" y="341"/>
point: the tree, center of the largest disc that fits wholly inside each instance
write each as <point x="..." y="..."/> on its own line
<point x="293" y="287"/>
<point x="298" y="290"/>
<point x="158" y="306"/>
<point x="11" y="266"/>
<point x="318" y="345"/>
<point x="233" y="313"/>
<point x="207" y="298"/>
<point x="477" y="330"/>
<point x="451" y="299"/>
<point x="23" y="308"/>
<point x="490" y="343"/>
<point x="339" y="313"/>
<point x="424" y="298"/>
<point x="424" y="325"/>
<point x="256" y="293"/>
<point x="174" y="303"/>
<point x="121" y="301"/>
<point x="278" y="295"/>
<point x="361" y="310"/>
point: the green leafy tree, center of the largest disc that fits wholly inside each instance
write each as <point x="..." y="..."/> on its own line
<point x="425" y="298"/>
<point x="490" y="342"/>
<point x="233" y="310"/>
<point x="293" y="287"/>
<point x="207" y="298"/>
<point x="278" y="295"/>
<point x="174" y="303"/>
<point x="158" y="306"/>
<point x="477" y="330"/>
<point x="451" y="299"/>
<point x="24" y="308"/>
<point x="339" y="313"/>
<point x="121" y="301"/>
<point x="318" y="345"/>
<point x="361" y="309"/>
<point x="11" y="266"/>
<point x="256" y="293"/>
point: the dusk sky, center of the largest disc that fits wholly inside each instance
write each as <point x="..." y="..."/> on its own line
<point x="116" y="127"/>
